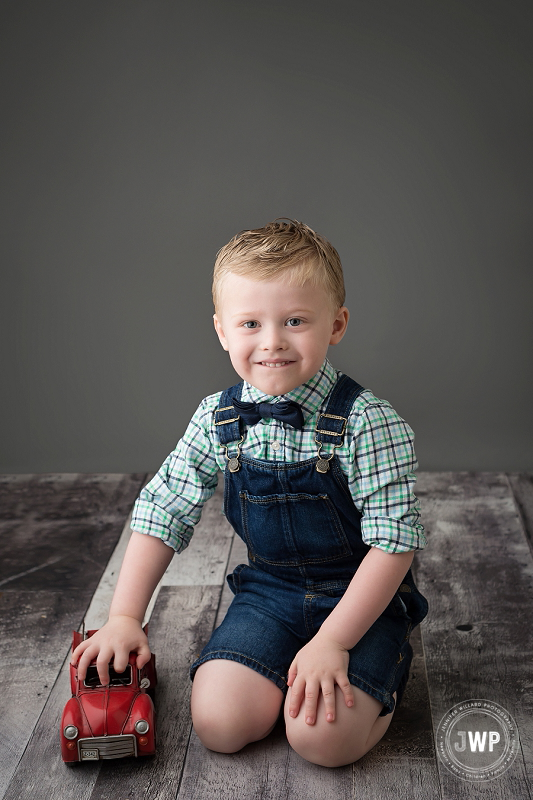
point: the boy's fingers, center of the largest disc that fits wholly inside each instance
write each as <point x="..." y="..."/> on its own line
<point x="347" y="690"/>
<point x="292" y="675"/>
<point x="102" y="665"/>
<point x="143" y="655"/>
<point x="81" y="670"/>
<point x="296" y="699"/>
<point x="76" y="653"/>
<point x="83" y="662"/>
<point x="120" y="661"/>
<point x="328" y="693"/>
<point x="311" y="701"/>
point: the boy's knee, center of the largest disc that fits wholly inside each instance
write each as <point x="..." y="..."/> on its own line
<point x="338" y="743"/>
<point x="231" y="705"/>
<point x="218" y="731"/>
<point x="226" y="729"/>
<point x="326" y="747"/>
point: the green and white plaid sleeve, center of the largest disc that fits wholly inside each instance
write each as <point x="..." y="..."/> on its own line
<point x="383" y="480"/>
<point x="170" y="505"/>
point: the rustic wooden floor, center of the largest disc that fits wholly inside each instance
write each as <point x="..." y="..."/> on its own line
<point x="61" y="539"/>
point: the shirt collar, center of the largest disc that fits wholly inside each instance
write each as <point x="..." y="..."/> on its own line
<point x="310" y="395"/>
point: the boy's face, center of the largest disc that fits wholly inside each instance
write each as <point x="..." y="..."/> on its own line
<point x="277" y="335"/>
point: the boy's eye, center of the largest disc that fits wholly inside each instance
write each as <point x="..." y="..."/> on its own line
<point x="293" y="322"/>
<point x="250" y="324"/>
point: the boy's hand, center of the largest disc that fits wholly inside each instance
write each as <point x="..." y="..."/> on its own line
<point x="120" y="636"/>
<point x="318" y="666"/>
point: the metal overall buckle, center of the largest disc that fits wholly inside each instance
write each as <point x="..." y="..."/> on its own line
<point x="234" y="464"/>
<point x="233" y="461"/>
<point x="322" y="465"/>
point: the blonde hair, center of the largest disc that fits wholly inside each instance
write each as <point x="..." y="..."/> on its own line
<point x="283" y="246"/>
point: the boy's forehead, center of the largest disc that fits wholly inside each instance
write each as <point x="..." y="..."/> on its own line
<point x="237" y="290"/>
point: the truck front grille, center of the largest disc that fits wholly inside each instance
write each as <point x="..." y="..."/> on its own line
<point x="98" y="747"/>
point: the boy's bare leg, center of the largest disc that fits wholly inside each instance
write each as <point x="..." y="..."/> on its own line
<point x="353" y="733"/>
<point x="232" y="705"/>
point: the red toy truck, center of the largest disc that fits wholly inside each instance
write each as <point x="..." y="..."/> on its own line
<point x="101" y="722"/>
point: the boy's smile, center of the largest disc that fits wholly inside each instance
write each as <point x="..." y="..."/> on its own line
<point x="277" y="334"/>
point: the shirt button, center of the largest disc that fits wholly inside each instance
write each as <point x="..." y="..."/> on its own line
<point x="275" y="445"/>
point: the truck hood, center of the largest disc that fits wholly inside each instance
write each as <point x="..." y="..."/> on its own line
<point x="107" y="711"/>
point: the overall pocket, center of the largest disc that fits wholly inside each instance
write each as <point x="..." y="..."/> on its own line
<point x="293" y="529"/>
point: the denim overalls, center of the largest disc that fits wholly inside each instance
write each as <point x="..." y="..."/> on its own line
<point x="303" y="534"/>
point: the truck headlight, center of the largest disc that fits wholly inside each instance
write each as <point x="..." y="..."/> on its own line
<point x="141" y="726"/>
<point x="70" y="732"/>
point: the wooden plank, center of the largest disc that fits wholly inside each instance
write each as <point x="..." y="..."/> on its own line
<point x="385" y="778"/>
<point x="203" y="563"/>
<point x="182" y="622"/>
<point x="238" y="555"/>
<point x="56" y="535"/>
<point x="35" y="628"/>
<point x="98" y="610"/>
<point x="410" y="734"/>
<point x="41" y="774"/>
<point x="268" y="769"/>
<point x="60" y="530"/>
<point x="477" y="573"/>
<point x="271" y="770"/>
<point x="403" y="764"/>
<point x="522" y="487"/>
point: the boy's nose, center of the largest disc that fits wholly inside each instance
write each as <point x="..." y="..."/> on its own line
<point x="273" y="339"/>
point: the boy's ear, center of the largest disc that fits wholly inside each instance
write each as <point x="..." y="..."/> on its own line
<point x="340" y="323"/>
<point x="220" y="332"/>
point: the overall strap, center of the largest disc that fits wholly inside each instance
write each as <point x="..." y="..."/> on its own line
<point x="227" y="420"/>
<point x="331" y="424"/>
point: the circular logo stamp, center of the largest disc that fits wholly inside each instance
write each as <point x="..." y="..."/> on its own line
<point x="477" y="740"/>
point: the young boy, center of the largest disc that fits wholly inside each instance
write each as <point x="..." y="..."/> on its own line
<point x="319" y="484"/>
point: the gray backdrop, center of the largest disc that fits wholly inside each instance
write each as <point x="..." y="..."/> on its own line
<point x="139" y="135"/>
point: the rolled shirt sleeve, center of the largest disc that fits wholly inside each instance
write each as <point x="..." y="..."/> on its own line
<point x="170" y="505"/>
<point x="383" y="480"/>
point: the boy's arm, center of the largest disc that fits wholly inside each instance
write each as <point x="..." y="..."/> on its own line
<point x="163" y="519"/>
<point x="145" y="561"/>
<point x="381" y="479"/>
<point x="370" y="591"/>
<point x="323" y="662"/>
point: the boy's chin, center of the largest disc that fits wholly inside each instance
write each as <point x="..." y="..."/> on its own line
<point x="268" y="381"/>
<point x="275" y="390"/>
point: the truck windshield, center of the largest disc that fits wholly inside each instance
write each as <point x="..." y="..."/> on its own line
<point x="115" y="678"/>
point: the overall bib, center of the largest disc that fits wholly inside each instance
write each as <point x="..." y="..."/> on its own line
<point x="303" y="534"/>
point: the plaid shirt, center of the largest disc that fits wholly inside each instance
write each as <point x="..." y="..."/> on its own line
<point x="377" y="458"/>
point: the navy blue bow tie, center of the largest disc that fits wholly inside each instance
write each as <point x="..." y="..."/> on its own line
<point x="286" y="410"/>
